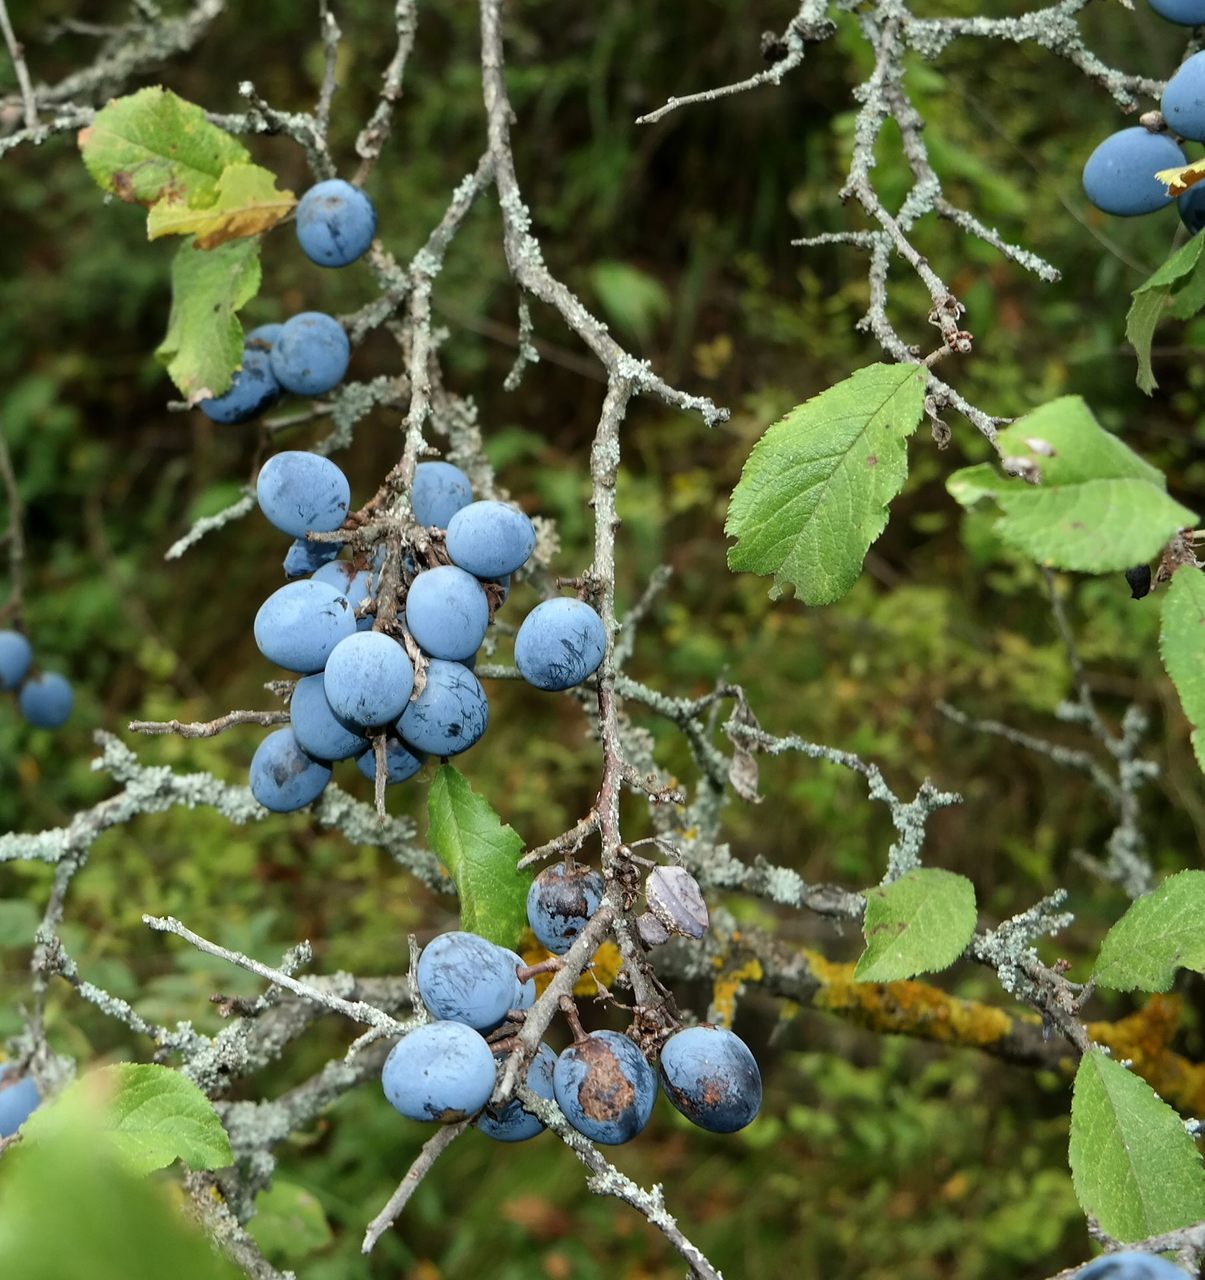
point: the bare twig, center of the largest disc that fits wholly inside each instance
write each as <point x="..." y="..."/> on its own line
<point x="16" y="51"/>
<point x="210" y="728"/>
<point x="433" y="1148"/>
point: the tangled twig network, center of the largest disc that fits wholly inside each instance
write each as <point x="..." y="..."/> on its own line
<point x="686" y="819"/>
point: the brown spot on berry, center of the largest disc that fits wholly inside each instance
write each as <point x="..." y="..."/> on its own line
<point x="605" y="1093"/>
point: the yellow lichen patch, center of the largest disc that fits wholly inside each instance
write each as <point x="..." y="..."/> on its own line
<point x="1143" y="1038"/>
<point x="607" y="963"/>
<point x="605" y="966"/>
<point x="906" y="1008"/>
<point x="727" y="987"/>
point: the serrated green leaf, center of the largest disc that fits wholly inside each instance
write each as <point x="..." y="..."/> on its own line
<point x="1182" y="647"/>
<point x="245" y="203"/>
<point x="920" y="923"/>
<point x="1150" y="300"/>
<point x="289" y="1222"/>
<point x="1175" y="268"/>
<point x="1100" y="526"/>
<point x="70" y="1208"/>
<point x="1098" y="508"/>
<point x="1064" y="440"/>
<point x="1133" y="1166"/>
<point x="204" y="341"/>
<point x="1142" y="319"/>
<point x="150" y="142"/>
<point x="1190" y="297"/>
<point x="480" y="851"/>
<point x="153" y="1116"/>
<point x="813" y="493"/>
<point x="1161" y="932"/>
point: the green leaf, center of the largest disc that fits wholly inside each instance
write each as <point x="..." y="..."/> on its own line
<point x="1098" y="508"/>
<point x="1150" y="299"/>
<point x="1141" y="321"/>
<point x="1182" y="647"/>
<point x="69" y="1207"/>
<point x="289" y="1222"/>
<point x="814" y="491"/>
<point x="151" y="142"/>
<point x="631" y="299"/>
<point x="246" y="202"/>
<point x="920" y="923"/>
<point x="480" y="851"/>
<point x="204" y="341"/>
<point x="1133" y="1166"/>
<point x="1160" y="932"/>
<point x="1190" y="297"/>
<point x="154" y="1116"/>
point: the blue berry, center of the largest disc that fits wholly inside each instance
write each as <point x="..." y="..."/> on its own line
<point x="711" y="1077"/>
<point x="439" y="492"/>
<point x="16" y="654"/>
<point x="1119" y="176"/>
<point x="1187" y="13"/>
<point x="466" y="978"/>
<point x="1184" y="99"/>
<point x="335" y="223"/>
<point x="358" y="585"/>
<point x="605" y="1087"/>
<point x="400" y="763"/>
<point x="560" y="644"/>
<point x="263" y="337"/>
<point x="253" y="390"/>
<point x="559" y="902"/>
<point x="489" y="539"/>
<point x="449" y="715"/>
<point x="368" y="679"/>
<point x="311" y="354"/>
<point x="513" y="1123"/>
<point x="1192" y="208"/>
<point x="441" y="1071"/>
<point x="298" y="625"/>
<point x="305" y="557"/>
<point x="283" y="777"/>
<point x="46" y="700"/>
<point x="317" y="730"/>
<point x="302" y="492"/>
<point x="447" y="612"/>
<point x="1131" y="1265"/>
<point x="18" y="1097"/>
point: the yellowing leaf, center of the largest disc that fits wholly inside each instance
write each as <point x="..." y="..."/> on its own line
<point x="1178" y="180"/>
<point x="204" y="340"/>
<point x="247" y="202"/>
<point x="148" y="143"/>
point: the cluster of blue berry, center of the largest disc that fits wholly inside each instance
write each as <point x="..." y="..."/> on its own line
<point x="418" y="687"/>
<point x="1119" y="176"/>
<point x="44" y="698"/>
<point x="478" y="994"/>
<point x="308" y="354"/>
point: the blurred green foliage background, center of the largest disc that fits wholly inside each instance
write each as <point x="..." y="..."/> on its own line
<point x="873" y="1158"/>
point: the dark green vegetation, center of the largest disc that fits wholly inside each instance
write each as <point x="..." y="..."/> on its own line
<point x="872" y="1157"/>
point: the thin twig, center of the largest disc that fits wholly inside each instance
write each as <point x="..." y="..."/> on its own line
<point x="209" y="728"/>
<point x="433" y="1148"/>
<point x="17" y="52"/>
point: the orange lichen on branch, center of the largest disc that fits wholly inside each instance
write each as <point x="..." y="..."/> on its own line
<point x="907" y="1008"/>
<point x="727" y="988"/>
<point x="1144" y="1038"/>
<point x="603" y="969"/>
